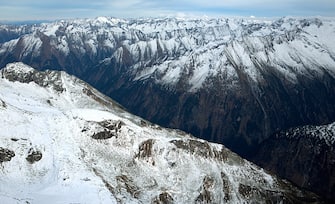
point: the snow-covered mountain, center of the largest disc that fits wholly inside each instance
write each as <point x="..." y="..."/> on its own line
<point x="61" y="141"/>
<point x="195" y="49"/>
<point x="233" y="81"/>
<point x="305" y="155"/>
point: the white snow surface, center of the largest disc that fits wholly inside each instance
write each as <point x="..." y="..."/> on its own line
<point x="136" y="165"/>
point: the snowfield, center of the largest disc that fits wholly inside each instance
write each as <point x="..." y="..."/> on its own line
<point x="74" y="145"/>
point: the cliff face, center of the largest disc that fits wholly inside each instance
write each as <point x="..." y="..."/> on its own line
<point x="304" y="156"/>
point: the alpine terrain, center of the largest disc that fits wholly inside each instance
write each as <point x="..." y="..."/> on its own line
<point x="61" y="141"/>
<point x="234" y="81"/>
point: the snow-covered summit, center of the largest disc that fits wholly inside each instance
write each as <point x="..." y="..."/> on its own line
<point x="78" y="146"/>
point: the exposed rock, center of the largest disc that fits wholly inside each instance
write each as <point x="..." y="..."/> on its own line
<point x="3" y="104"/>
<point x="246" y="191"/>
<point x="110" y="129"/>
<point x="163" y="198"/>
<point x="226" y="187"/>
<point x="203" y="149"/>
<point x="126" y="183"/>
<point x="144" y="123"/>
<point x="145" y="149"/>
<point x="34" y="156"/>
<point x="103" y="135"/>
<point x="27" y="75"/>
<point x="194" y="147"/>
<point x="112" y="125"/>
<point x="6" y="154"/>
<point x="205" y="196"/>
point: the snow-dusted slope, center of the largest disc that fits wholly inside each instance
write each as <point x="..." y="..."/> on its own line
<point x="61" y="141"/>
<point x="323" y="133"/>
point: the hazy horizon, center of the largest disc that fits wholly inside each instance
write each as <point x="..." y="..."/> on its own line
<point x="38" y="10"/>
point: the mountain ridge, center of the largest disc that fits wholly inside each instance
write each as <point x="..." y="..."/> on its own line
<point x="73" y="145"/>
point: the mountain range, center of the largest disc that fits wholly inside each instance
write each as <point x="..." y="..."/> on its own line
<point x="232" y="81"/>
<point x="238" y="82"/>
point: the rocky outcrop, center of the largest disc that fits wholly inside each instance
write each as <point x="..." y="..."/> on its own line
<point x="163" y="198"/>
<point x="27" y="75"/>
<point x="110" y="129"/>
<point x="6" y="154"/>
<point x="34" y="156"/>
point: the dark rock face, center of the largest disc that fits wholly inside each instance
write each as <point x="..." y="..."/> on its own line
<point x="306" y="161"/>
<point x="163" y="198"/>
<point x="110" y="129"/>
<point x="202" y="149"/>
<point x="205" y="195"/>
<point x="125" y="182"/>
<point x="6" y="154"/>
<point x="3" y="104"/>
<point x="145" y="149"/>
<point x="34" y="156"/>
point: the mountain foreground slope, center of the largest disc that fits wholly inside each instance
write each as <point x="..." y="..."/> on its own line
<point x="232" y="81"/>
<point x="64" y="142"/>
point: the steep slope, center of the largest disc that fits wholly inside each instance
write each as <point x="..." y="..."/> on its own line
<point x="64" y="142"/>
<point x="233" y="81"/>
<point x="304" y="155"/>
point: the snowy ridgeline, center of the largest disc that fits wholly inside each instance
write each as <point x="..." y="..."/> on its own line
<point x="74" y="145"/>
<point x="324" y="133"/>
<point x="172" y="49"/>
